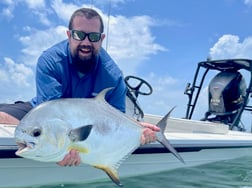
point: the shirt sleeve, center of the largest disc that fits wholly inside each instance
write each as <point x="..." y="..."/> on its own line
<point x="48" y="85"/>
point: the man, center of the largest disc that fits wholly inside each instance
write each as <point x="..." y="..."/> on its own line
<point x="76" y="68"/>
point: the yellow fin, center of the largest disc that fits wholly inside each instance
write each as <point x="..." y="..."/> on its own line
<point x="112" y="173"/>
<point x="79" y="148"/>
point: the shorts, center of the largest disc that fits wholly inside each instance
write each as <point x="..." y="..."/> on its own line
<point x="17" y="110"/>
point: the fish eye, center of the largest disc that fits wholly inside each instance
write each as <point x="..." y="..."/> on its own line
<point x="36" y="132"/>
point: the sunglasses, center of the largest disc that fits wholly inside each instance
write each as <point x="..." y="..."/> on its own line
<point x="80" y="35"/>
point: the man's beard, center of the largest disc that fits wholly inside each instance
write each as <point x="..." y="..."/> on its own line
<point x="84" y="64"/>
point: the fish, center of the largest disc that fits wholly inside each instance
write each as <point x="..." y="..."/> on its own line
<point x="103" y="135"/>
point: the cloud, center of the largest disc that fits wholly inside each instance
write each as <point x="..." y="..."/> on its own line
<point x="248" y="2"/>
<point x="7" y="10"/>
<point x="18" y="74"/>
<point x="38" y="41"/>
<point x="230" y="46"/>
<point x="40" y="10"/>
<point x="64" y="10"/>
<point x="133" y="44"/>
<point x="17" y="81"/>
<point x="37" y="7"/>
<point x="35" y="4"/>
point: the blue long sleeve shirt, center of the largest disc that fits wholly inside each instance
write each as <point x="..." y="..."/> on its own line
<point x="56" y="78"/>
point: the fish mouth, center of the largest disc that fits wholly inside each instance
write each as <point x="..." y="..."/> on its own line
<point x="24" y="147"/>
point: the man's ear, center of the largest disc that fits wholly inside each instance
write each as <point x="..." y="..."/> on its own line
<point x="102" y="36"/>
<point x="68" y="34"/>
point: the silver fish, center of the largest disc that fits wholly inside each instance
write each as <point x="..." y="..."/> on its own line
<point x="103" y="135"/>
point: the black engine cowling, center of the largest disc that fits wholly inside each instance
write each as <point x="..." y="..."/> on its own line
<point x="226" y="93"/>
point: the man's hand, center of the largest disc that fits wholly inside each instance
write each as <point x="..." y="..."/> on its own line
<point x="149" y="133"/>
<point x="71" y="159"/>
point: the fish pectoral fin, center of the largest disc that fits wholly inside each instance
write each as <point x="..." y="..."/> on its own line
<point x="81" y="133"/>
<point x="112" y="173"/>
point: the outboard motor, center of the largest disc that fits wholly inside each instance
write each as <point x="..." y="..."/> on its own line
<point x="226" y="96"/>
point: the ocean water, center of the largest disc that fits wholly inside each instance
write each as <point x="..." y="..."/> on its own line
<point x="224" y="174"/>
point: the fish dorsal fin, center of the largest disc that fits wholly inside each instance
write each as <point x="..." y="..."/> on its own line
<point x="161" y="137"/>
<point x="112" y="173"/>
<point x="80" y="134"/>
<point x="102" y="94"/>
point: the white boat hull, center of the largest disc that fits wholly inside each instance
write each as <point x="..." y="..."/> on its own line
<point x="19" y="172"/>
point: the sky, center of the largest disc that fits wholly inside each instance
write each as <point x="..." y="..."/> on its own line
<point x="160" y="41"/>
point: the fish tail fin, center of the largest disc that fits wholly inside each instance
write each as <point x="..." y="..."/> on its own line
<point x="112" y="174"/>
<point x="163" y="122"/>
<point x="162" y="139"/>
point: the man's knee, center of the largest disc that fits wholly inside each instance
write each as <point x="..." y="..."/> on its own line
<point x="13" y="113"/>
<point x="6" y="118"/>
